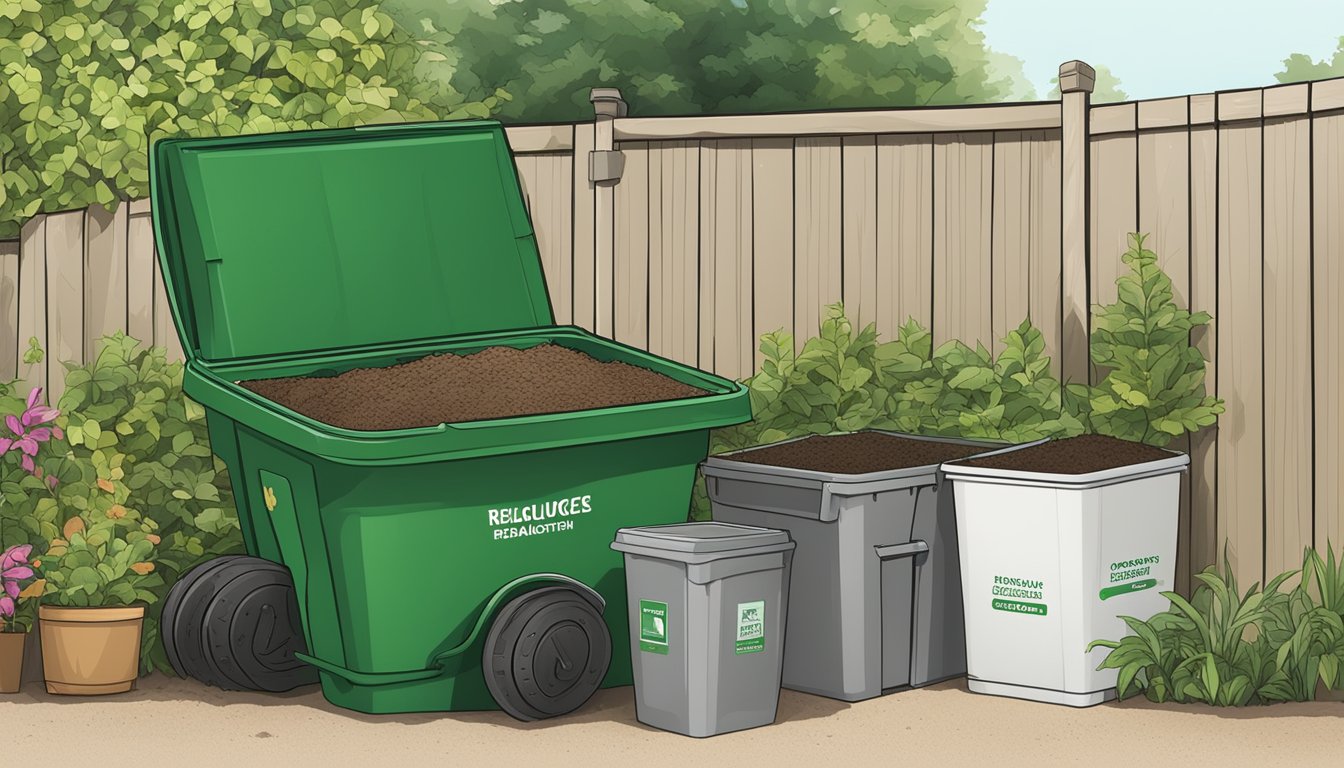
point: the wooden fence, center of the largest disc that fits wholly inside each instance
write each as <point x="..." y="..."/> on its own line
<point x="692" y="236"/>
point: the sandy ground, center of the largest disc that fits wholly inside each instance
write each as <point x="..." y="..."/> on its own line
<point x="173" y="722"/>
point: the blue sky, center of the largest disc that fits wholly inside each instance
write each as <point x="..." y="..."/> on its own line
<point x="1165" y="47"/>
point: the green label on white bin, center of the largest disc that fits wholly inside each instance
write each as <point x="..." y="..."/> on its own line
<point x="1128" y="576"/>
<point x="751" y="627"/>
<point x="1030" y="594"/>
<point x="652" y="626"/>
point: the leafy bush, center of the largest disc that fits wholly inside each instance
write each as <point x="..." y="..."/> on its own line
<point x="1225" y="648"/>
<point x="842" y="380"/>
<point x="86" y="84"/>
<point x="106" y="558"/>
<point x="131" y="440"/>
<point x="1154" y="384"/>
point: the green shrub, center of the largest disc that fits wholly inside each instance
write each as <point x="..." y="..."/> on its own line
<point x="1224" y="648"/>
<point x="85" y="85"/>
<point x="107" y="558"/>
<point x="128" y="429"/>
<point x="126" y="410"/>
<point x="842" y="380"/>
<point x="1153" y="388"/>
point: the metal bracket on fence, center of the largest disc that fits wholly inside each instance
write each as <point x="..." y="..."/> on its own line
<point x="605" y="165"/>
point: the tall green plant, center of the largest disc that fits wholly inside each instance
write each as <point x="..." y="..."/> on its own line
<point x="1153" y="388"/>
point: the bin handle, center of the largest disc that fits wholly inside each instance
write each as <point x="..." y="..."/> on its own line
<point x="437" y="664"/>
<point x="901" y="550"/>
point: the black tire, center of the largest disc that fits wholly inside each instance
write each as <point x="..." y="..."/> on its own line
<point x="546" y="653"/>
<point x="252" y="631"/>
<point x="214" y="641"/>
<point x="172" y="605"/>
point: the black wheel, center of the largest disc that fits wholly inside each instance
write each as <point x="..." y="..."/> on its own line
<point x="252" y="631"/>
<point x="546" y="653"/>
<point x="172" y="606"/>
<point x="235" y="626"/>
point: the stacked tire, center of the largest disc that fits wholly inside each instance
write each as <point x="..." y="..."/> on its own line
<point x="233" y="623"/>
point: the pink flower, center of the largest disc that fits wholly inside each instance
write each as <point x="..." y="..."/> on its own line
<point x="28" y="435"/>
<point x="16" y="573"/>
<point x="6" y="607"/>
<point x="15" y="555"/>
<point x="36" y="413"/>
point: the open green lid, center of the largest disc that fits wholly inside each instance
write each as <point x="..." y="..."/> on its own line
<point x="324" y="240"/>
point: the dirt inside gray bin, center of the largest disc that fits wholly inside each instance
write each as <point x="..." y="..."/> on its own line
<point x="494" y="383"/>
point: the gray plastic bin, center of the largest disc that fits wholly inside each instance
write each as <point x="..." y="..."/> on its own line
<point x="707" y="606"/>
<point x="876" y="587"/>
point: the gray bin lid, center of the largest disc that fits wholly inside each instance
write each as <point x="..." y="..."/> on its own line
<point x="701" y="542"/>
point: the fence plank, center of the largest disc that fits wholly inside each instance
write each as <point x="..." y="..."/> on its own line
<point x="105" y="275"/>
<point x="705" y="285"/>
<point x="631" y="265"/>
<point x="1205" y="547"/>
<point x="1240" y="358"/>
<point x="165" y="332"/>
<point x="33" y="298"/>
<point x="772" y="226"/>
<point x="858" y="209"/>
<point x="65" y="296"/>
<point x="585" y="243"/>
<point x="140" y="269"/>
<point x="1164" y="214"/>
<point x="1044" y="243"/>
<point x="674" y="190"/>
<point x="1328" y="322"/>
<point x="726" y="270"/>
<point x="904" y="231"/>
<point x="1114" y="209"/>
<point x="1287" y="365"/>
<point x="817" y="261"/>
<point x="9" y="310"/>
<point x="1011" y="240"/>
<point x="548" y="188"/>
<point x="962" y="228"/>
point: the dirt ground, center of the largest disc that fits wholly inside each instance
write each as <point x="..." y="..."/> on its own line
<point x="173" y="722"/>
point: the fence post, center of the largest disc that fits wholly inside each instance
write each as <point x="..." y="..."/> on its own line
<point x="1076" y="80"/>
<point x="605" y="164"/>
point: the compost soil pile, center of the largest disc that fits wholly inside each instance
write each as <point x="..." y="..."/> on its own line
<point x="1073" y="456"/>
<point x="495" y="383"/>
<point x="856" y="453"/>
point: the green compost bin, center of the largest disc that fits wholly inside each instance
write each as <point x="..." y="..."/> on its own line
<point x="410" y="551"/>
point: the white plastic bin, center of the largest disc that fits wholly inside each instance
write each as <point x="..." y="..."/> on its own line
<point x="1049" y="562"/>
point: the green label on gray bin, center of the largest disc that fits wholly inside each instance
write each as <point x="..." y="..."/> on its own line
<point x="652" y="626"/>
<point x="751" y="627"/>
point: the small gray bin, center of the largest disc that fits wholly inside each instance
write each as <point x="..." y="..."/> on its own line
<point x="876" y="589"/>
<point x="707" y="606"/>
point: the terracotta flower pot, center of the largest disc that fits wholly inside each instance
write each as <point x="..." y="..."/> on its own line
<point x="90" y="651"/>
<point x="11" y="661"/>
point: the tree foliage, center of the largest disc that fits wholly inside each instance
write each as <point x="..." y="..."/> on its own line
<point x="711" y="56"/>
<point x="1300" y="67"/>
<point x="85" y="85"/>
